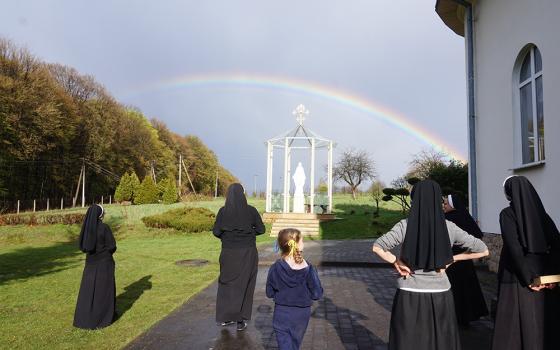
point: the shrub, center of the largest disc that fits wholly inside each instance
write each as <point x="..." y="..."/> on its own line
<point x="147" y="193"/>
<point x="127" y="187"/>
<point x="182" y="219"/>
<point x="169" y="191"/>
<point x="42" y="219"/>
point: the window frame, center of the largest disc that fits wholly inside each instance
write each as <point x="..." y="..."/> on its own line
<point x="527" y="52"/>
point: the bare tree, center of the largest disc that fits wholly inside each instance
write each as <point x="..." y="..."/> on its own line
<point x="354" y="167"/>
<point x="377" y="194"/>
<point x="424" y="162"/>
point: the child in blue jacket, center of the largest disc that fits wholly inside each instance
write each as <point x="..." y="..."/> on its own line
<point x="294" y="284"/>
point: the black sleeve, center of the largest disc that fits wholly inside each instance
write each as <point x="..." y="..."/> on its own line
<point x="258" y="223"/>
<point x="216" y="230"/>
<point x="110" y="239"/>
<point x="512" y="247"/>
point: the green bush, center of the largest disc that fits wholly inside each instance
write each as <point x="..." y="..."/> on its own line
<point x="42" y="219"/>
<point x="182" y="219"/>
<point x="169" y="191"/>
<point x="127" y="187"/>
<point x="147" y="193"/>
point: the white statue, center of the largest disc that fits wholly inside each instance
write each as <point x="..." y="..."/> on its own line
<point x="299" y="181"/>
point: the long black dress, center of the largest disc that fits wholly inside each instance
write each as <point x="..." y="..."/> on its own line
<point x="237" y="225"/>
<point x="469" y="300"/>
<point x="525" y="319"/>
<point x="95" y="307"/>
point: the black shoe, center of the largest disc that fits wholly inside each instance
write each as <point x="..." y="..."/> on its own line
<point x="226" y="323"/>
<point x="241" y="325"/>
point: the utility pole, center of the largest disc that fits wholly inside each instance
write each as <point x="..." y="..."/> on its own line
<point x="255" y="185"/>
<point x="83" y="183"/>
<point x="78" y="187"/>
<point x="188" y="177"/>
<point x="216" y="187"/>
<point x="153" y="171"/>
<point x="180" y="172"/>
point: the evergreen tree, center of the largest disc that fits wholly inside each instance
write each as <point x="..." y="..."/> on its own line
<point x="169" y="191"/>
<point x="147" y="193"/>
<point x="134" y="184"/>
<point x="124" y="189"/>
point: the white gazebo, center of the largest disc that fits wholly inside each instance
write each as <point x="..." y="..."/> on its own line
<point x="298" y="138"/>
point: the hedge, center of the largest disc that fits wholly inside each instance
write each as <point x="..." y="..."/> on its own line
<point x="183" y="219"/>
<point x="42" y="219"/>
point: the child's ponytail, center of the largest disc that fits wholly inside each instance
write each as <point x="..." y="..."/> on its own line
<point x="288" y="239"/>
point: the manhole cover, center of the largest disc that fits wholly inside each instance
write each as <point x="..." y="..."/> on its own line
<point x="191" y="262"/>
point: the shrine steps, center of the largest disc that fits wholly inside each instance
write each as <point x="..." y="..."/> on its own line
<point x="307" y="223"/>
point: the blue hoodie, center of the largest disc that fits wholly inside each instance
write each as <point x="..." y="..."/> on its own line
<point x="291" y="287"/>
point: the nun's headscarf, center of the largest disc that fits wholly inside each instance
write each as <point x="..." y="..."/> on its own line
<point x="535" y="234"/>
<point x="461" y="216"/>
<point x="236" y="215"/>
<point x="426" y="245"/>
<point x="88" y="233"/>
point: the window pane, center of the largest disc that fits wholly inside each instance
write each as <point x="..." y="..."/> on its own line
<point x="527" y="137"/>
<point x="540" y="116"/>
<point x="525" y="68"/>
<point x="538" y="60"/>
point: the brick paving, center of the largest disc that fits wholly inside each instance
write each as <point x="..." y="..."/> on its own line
<point x="353" y="315"/>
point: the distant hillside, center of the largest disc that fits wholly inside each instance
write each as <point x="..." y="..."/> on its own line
<point x="52" y="117"/>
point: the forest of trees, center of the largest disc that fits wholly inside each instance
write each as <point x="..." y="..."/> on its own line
<point x="52" y="119"/>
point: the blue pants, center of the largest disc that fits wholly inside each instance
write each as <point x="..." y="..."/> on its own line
<point x="290" y="324"/>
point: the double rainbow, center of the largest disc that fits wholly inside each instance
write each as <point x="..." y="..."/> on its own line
<point x="341" y="97"/>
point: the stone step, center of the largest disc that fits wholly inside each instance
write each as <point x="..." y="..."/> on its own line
<point x="274" y="233"/>
<point x="296" y="223"/>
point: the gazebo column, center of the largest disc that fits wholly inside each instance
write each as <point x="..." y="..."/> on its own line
<point x="269" y="159"/>
<point x="312" y="180"/>
<point x="286" y="176"/>
<point x="330" y="176"/>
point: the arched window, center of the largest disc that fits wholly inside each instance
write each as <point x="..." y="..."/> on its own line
<point x="530" y="89"/>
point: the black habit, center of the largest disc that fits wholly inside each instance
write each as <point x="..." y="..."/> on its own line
<point x="469" y="300"/>
<point x="95" y="307"/>
<point x="237" y="225"/>
<point x="526" y="319"/>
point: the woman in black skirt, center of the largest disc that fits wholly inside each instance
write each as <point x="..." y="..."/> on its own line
<point x="95" y="307"/>
<point x="468" y="297"/>
<point x="237" y="225"/>
<point x="423" y="314"/>
<point x="527" y="315"/>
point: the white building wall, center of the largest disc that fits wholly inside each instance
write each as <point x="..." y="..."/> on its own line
<point x="502" y="29"/>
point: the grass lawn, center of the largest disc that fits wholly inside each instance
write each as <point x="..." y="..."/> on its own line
<point x="355" y="218"/>
<point x="41" y="267"/>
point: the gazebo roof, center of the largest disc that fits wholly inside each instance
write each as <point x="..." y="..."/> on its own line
<point x="300" y="136"/>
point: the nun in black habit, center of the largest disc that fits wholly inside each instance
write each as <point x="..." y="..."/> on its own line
<point x="237" y="225"/>
<point x="468" y="297"/>
<point x="95" y="307"/>
<point x="423" y="314"/>
<point x="527" y="315"/>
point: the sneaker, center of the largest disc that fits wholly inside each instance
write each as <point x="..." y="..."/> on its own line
<point x="241" y="325"/>
<point x="226" y="323"/>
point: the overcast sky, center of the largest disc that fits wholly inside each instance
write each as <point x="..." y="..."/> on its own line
<point x="397" y="54"/>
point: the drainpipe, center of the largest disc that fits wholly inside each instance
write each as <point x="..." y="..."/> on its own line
<point x="469" y="37"/>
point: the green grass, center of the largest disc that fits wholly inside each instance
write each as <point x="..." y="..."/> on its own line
<point x="41" y="267"/>
<point x="355" y="218"/>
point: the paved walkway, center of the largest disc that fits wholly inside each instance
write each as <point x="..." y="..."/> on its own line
<point x="354" y="313"/>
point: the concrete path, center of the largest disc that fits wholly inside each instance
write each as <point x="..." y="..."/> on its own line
<point x="354" y="313"/>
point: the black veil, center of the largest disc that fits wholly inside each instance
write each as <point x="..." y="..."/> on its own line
<point x="426" y="245"/>
<point x="533" y="223"/>
<point x="88" y="233"/>
<point x="236" y="215"/>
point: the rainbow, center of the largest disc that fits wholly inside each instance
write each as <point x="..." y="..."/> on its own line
<point x="341" y="97"/>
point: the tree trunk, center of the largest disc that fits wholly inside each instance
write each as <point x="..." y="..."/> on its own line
<point x="354" y="193"/>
